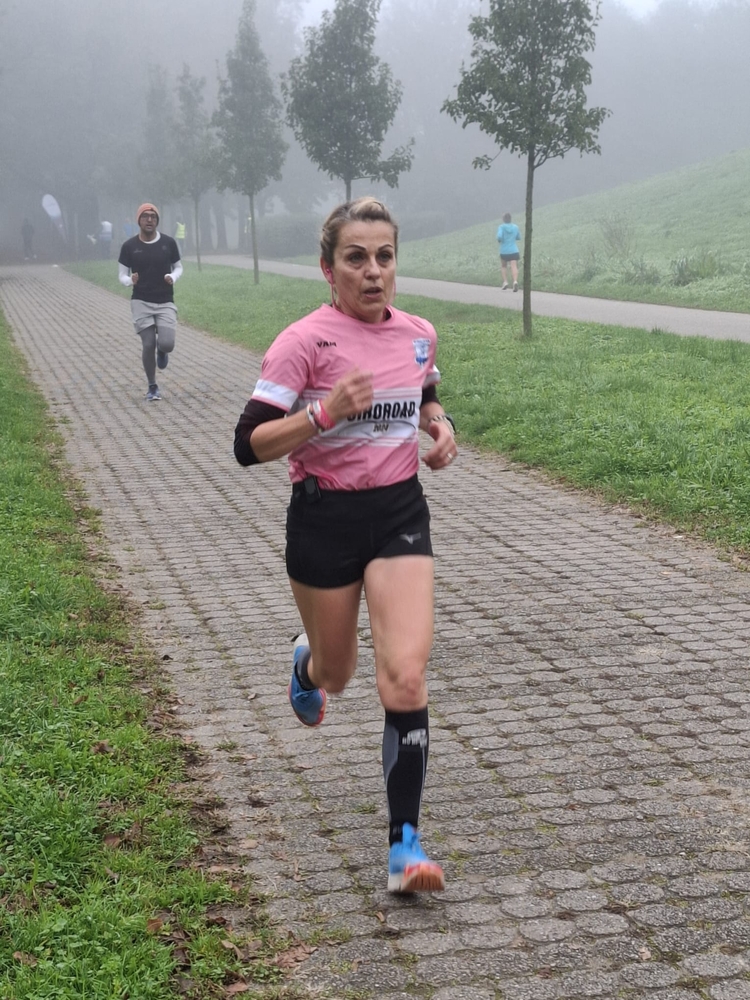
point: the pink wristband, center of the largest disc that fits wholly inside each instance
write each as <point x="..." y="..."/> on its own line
<point x="321" y="417"/>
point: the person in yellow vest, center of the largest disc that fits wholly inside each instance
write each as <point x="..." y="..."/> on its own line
<point x="179" y="235"/>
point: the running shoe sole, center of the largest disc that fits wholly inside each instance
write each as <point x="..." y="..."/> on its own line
<point x="424" y="876"/>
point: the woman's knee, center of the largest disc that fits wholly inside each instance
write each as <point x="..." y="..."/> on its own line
<point x="402" y="683"/>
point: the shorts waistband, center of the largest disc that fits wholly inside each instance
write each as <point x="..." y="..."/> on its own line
<point x="311" y="491"/>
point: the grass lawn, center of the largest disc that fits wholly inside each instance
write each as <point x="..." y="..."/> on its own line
<point x="660" y="240"/>
<point x="103" y="893"/>
<point x="654" y="420"/>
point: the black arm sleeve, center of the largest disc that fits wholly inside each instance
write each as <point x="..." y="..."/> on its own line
<point x="254" y="414"/>
<point x="429" y="395"/>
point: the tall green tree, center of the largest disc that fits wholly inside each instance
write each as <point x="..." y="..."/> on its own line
<point x="341" y="99"/>
<point x="157" y="160"/>
<point x="196" y="167"/>
<point x="248" y="122"/>
<point x="526" y="88"/>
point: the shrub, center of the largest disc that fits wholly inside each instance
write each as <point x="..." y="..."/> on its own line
<point x="590" y="267"/>
<point x="639" y="272"/>
<point x="618" y="235"/>
<point x="288" y="235"/>
<point x="686" y="269"/>
<point x="545" y="266"/>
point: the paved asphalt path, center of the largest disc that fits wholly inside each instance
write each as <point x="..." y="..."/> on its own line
<point x="589" y="783"/>
<point x="673" y="319"/>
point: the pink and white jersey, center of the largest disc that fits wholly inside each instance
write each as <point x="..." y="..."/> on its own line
<point x="380" y="446"/>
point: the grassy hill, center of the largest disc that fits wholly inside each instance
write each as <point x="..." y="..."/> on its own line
<point x="681" y="238"/>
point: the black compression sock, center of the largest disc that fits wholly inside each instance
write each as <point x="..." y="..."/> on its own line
<point x="406" y="739"/>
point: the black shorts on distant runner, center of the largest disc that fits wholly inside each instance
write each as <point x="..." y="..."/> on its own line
<point x="331" y="535"/>
<point x="505" y="257"/>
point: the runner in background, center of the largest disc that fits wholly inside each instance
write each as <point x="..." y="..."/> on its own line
<point x="150" y="264"/>
<point x="508" y="234"/>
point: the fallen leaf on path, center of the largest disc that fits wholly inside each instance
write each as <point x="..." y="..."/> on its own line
<point x="293" y="956"/>
<point x="181" y="957"/>
<point x="231" y="946"/>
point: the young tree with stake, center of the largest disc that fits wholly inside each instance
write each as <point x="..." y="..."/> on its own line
<point x="341" y="99"/>
<point x="526" y="88"/>
<point x="196" y="171"/>
<point x="248" y="122"/>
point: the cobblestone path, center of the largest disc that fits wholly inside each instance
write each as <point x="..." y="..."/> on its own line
<point x="588" y="789"/>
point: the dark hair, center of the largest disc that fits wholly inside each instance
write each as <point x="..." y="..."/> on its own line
<point x="506" y="217"/>
<point x="367" y="209"/>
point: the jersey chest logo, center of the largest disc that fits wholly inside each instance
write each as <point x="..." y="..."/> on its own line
<point x="421" y="351"/>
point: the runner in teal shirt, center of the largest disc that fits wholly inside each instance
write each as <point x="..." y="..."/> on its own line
<point x="507" y="235"/>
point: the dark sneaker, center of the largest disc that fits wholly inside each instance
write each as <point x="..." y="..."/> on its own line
<point x="308" y="706"/>
<point x="162" y="359"/>
<point x="409" y="868"/>
<point x="153" y="393"/>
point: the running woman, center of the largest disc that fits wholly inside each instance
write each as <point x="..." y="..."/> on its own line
<point x="508" y="235"/>
<point x="344" y="392"/>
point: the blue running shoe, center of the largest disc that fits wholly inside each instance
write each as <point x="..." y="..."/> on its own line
<point x="409" y="868"/>
<point x="309" y="706"/>
<point x="162" y="359"/>
<point x="153" y="393"/>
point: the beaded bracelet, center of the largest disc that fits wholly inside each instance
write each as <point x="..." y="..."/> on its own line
<point x="311" y="418"/>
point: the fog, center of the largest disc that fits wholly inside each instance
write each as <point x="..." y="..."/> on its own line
<point x="74" y="75"/>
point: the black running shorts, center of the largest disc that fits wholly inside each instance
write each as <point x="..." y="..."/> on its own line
<point x="332" y="535"/>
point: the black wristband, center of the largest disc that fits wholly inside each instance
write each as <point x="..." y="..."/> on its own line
<point x="444" y="417"/>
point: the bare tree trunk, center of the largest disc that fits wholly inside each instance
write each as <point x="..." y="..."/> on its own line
<point x="74" y="235"/>
<point x="348" y="183"/>
<point x="241" y="240"/>
<point x="527" y="245"/>
<point x="254" y="237"/>
<point x="221" y="223"/>
<point x="196" y="204"/>
<point x="207" y="236"/>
